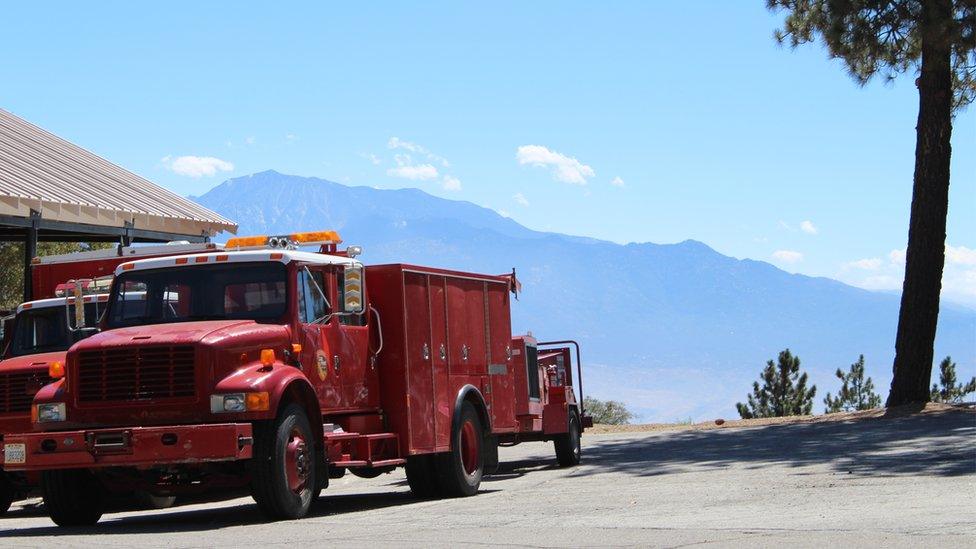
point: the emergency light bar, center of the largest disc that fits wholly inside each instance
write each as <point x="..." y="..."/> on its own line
<point x="283" y="242"/>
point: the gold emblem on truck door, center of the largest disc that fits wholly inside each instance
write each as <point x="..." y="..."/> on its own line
<point x="322" y="361"/>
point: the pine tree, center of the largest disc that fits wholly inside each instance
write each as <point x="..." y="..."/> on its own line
<point x="783" y="392"/>
<point x="856" y="393"/>
<point x="950" y="391"/>
<point x="936" y="40"/>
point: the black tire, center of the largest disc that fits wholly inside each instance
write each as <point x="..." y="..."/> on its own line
<point x="150" y="501"/>
<point x="568" y="445"/>
<point x="271" y="484"/>
<point x="459" y="471"/>
<point x="422" y="476"/>
<point x="73" y="497"/>
<point x="7" y="493"/>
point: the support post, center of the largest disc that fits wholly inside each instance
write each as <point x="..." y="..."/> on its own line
<point x="30" y="250"/>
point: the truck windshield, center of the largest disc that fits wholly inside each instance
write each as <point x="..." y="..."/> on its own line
<point x="254" y="291"/>
<point x="45" y="330"/>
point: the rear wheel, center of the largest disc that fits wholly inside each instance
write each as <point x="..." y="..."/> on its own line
<point x="283" y="467"/>
<point x="422" y="475"/>
<point x="459" y="471"/>
<point x="568" y="444"/>
<point x="73" y="497"/>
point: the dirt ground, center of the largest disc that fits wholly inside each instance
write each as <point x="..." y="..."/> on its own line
<point x="721" y="423"/>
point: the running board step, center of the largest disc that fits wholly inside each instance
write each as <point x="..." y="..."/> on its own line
<point x="363" y="450"/>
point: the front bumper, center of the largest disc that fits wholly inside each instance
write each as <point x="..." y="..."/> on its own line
<point x="127" y="447"/>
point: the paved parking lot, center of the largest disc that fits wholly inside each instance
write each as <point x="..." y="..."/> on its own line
<point x="897" y="482"/>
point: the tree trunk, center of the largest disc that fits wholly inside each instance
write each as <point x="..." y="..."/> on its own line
<point x="925" y="256"/>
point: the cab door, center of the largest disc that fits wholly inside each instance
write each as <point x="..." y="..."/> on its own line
<point x="347" y="335"/>
<point x="314" y="311"/>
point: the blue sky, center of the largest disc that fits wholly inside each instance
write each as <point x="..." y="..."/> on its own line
<point x="626" y="121"/>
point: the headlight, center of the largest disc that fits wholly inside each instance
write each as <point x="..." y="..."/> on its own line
<point x="50" y="412"/>
<point x="239" y="402"/>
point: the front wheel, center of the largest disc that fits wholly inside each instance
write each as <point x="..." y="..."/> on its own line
<point x="283" y="467"/>
<point x="460" y="470"/>
<point x="568" y="444"/>
<point x="73" y="497"/>
<point x="7" y="494"/>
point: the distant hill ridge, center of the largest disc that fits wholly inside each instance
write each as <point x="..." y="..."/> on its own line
<point x="675" y="330"/>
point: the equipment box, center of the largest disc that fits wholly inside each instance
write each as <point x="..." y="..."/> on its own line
<point x="441" y="330"/>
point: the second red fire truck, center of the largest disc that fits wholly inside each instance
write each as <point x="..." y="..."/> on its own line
<point x="267" y="367"/>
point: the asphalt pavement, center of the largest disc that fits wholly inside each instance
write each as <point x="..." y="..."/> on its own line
<point x="907" y="481"/>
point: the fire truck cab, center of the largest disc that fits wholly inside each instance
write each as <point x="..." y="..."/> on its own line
<point x="267" y="367"/>
<point x="33" y="353"/>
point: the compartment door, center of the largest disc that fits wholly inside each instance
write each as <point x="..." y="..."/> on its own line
<point x="420" y="354"/>
<point x="444" y="396"/>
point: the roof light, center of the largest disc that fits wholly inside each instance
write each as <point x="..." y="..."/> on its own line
<point x="247" y="242"/>
<point x="285" y="241"/>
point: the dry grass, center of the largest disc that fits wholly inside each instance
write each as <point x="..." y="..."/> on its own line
<point x="725" y="424"/>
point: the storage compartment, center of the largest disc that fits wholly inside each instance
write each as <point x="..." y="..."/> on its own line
<point x="442" y="330"/>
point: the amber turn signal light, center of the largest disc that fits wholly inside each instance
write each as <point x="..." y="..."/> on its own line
<point x="267" y="357"/>
<point x="296" y="348"/>
<point x="258" y="402"/>
<point x="55" y="370"/>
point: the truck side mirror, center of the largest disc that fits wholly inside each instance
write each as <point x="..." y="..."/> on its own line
<point x="352" y="290"/>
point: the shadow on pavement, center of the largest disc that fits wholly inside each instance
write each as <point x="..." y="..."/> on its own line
<point x="935" y="443"/>
<point x="939" y="443"/>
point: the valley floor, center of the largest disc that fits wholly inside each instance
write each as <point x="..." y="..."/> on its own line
<point x="865" y="480"/>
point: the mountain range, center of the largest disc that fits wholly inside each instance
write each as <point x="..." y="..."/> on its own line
<point x="676" y="331"/>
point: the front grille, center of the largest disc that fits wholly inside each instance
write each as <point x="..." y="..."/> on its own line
<point x="136" y="373"/>
<point x="17" y="390"/>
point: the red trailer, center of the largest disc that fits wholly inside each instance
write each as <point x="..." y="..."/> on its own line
<point x="276" y="369"/>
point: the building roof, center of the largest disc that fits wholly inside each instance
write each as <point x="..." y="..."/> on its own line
<point x="63" y="182"/>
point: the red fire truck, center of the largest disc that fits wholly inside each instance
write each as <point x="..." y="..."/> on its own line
<point x="33" y="354"/>
<point x="266" y="367"/>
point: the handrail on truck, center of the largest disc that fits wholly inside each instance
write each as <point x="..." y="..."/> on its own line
<point x="579" y="366"/>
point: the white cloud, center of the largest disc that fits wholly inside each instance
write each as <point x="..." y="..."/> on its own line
<point x="785" y="225"/>
<point x="867" y="264"/>
<point x="250" y="140"/>
<point x="617" y="182"/>
<point x="897" y="256"/>
<point x="451" y="183"/>
<point x="503" y="213"/>
<point x="564" y="168"/>
<point x="808" y="227"/>
<point x="521" y="200"/>
<point x="407" y="170"/>
<point x="422" y="172"/>
<point x="397" y="143"/>
<point x="196" y="166"/>
<point x="788" y="256"/>
<point x="960" y="255"/>
<point x="291" y="137"/>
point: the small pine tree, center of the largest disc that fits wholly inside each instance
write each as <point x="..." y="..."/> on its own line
<point x="856" y="392"/>
<point x="783" y="393"/>
<point x="950" y="391"/>
<point x="608" y="412"/>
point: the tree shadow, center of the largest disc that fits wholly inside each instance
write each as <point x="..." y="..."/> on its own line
<point x="937" y="443"/>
